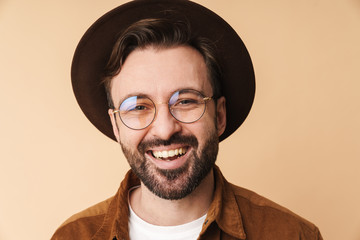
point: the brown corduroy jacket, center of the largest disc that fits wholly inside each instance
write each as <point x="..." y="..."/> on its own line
<point x="235" y="213"/>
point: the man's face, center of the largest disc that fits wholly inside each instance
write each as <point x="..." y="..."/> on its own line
<point x="170" y="158"/>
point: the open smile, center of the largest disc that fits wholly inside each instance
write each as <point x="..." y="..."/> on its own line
<point x="169" y="158"/>
<point x="169" y="155"/>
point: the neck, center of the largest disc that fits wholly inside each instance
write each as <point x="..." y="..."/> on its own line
<point x="162" y="212"/>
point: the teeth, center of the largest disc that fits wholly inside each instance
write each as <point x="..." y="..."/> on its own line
<point x="170" y="153"/>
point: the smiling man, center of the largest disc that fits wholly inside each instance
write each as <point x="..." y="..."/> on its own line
<point x="168" y="80"/>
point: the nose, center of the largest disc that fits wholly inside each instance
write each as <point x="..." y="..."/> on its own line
<point x="164" y="124"/>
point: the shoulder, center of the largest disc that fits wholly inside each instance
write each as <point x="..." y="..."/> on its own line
<point x="83" y="225"/>
<point x="260" y="213"/>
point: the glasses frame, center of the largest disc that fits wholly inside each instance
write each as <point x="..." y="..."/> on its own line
<point x="204" y="98"/>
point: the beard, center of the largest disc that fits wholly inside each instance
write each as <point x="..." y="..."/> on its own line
<point x="174" y="184"/>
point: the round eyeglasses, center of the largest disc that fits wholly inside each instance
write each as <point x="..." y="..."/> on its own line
<point x="186" y="106"/>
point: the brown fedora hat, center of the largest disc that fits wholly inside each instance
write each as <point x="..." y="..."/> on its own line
<point x="93" y="52"/>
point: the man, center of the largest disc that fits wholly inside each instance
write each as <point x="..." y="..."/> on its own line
<point x="178" y="80"/>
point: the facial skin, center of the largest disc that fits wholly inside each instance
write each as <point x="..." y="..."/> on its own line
<point x="157" y="73"/>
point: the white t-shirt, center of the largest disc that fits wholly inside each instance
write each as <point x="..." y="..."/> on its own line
<point x="141" y="230"/>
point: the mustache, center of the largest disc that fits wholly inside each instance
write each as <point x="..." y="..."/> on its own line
<point x="176" y="138"/>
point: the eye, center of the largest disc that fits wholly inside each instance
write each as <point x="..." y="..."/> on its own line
<point x="138" y="108"/>
<point x="136" y="105"/>
<point x="186" y="101"/>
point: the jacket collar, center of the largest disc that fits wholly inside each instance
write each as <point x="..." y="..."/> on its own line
<point x="115" y="224"/>
<point x="223" y="210"/>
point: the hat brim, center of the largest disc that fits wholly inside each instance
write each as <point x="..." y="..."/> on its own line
<point x="93" y="51"/>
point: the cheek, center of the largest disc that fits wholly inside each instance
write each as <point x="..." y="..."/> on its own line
<point x="209" y="120"/>
<point x="203" y="129"/>
<point x="130" y="137"/>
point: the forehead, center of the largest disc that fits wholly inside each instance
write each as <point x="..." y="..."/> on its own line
<point x="157" y="72"/>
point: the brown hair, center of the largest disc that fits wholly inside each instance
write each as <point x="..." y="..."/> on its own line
<point x="160" y="33"/>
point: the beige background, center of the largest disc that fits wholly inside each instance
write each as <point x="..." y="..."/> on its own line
<point x="299" y="147"/>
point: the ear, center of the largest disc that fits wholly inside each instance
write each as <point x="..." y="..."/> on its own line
<point x="221" y="115"/>
<point x="114" y="124"/>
